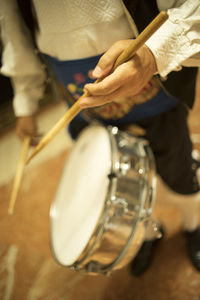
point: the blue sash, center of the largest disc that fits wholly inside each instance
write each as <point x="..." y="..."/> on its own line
<point x="73" y="74"/>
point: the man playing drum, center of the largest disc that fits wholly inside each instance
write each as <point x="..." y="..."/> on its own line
<point x="153" y="90"/>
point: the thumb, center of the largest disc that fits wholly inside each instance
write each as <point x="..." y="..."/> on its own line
<point x="107" y="60"/>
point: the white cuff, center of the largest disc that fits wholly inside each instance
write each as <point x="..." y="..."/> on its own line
<point x="171" y="47"/>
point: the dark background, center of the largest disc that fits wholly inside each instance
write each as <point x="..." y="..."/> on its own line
<point x="7" y="118"/>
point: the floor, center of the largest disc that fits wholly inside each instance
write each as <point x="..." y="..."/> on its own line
<point x="29" y="272"/>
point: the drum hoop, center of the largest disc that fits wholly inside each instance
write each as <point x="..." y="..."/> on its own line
<point x="99" y="229"/>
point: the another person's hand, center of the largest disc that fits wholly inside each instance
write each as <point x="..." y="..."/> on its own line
<point x="127" y="80"/>
<point x="26" y="126"/>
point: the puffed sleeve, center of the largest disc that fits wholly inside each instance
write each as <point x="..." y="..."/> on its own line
<point x="20" y="61"/>
<point x="177" y="42"/>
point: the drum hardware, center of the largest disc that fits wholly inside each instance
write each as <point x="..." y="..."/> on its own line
<point x="107" y="270"/>
<point x="155" y="226"/>
<point x="93" y="267"/>
<point x="111" y="176"/>
<point x="126" y="204"/>
<point x="119" y="206"/>
<point x="96" y="238"/>
<point x="113" y="129"/>
<point x="124" y="165"/>
<point x="148" y="206"/>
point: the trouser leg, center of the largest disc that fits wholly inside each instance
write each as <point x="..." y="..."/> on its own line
<point x="169" y="138"/>
<point x="189" y="209"/>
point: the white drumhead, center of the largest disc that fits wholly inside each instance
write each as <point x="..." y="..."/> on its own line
<point x="81" y="194"/>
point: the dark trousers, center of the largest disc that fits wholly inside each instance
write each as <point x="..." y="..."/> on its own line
<point x="169" y="138"/>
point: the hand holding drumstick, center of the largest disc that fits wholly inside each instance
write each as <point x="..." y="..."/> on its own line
<point x="125" y="56"/>
<point x="125" y="81"/>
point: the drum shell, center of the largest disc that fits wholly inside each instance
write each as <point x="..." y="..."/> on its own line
<point x="117" y="246"/>
<point x="120" y="230"/>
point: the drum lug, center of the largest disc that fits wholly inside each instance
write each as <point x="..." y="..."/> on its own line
<point x="143" y="215"/>
<point x="119" y="205"/>
<point x="75" y="267"/>
<point x="93" y="267"/>
<point x="156" y="228"/>
<point x="125" y="165"/>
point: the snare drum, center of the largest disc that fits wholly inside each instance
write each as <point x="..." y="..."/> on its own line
<point x="104" y="197"/>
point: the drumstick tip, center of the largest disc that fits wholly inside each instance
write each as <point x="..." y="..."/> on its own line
<point x="10" y="211"/>
<point x="19" y="175"/>
<point x="28" y="160"/>
<point x="35" y="151"/>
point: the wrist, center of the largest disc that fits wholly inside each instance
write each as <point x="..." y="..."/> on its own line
<point x="151" y="61"/>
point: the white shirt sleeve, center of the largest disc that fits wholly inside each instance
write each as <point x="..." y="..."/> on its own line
<point x="177" y="42"/>
<point x="20" y="61"/>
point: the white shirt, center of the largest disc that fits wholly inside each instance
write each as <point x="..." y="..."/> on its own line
<point x="69" y="31"/>
<point x="77" y="29"/>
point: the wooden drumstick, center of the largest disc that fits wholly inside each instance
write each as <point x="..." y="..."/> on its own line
<point x="124" y="56"/>
<point x="19" y="174"/>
